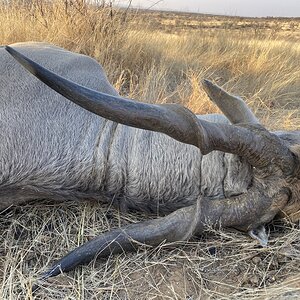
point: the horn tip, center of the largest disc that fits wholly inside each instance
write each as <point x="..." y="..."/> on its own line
<point x="15" y="54"/>
<point x="10" y="50"/>
<point x="205" y="82"/>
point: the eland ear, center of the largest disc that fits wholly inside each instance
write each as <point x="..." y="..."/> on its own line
<point x="233" y="107"/>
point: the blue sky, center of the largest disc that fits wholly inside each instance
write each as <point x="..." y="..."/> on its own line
<point x="252" y="8"/>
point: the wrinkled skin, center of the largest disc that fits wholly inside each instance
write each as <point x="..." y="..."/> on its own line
<point x="242" y="177"/>
<point x="71" y="153"/>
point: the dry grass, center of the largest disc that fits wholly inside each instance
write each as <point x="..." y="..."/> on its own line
<point x="162" y="66"/>
<point x="220" y="265"/>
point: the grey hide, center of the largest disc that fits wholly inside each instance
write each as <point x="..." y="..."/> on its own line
<point x="51" y="148"/>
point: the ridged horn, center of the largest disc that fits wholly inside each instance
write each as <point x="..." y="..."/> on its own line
<point x="254" y="142"/>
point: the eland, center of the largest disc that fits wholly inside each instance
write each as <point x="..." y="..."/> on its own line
<point x="72" y="136"/>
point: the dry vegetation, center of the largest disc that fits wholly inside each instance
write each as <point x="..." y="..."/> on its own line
<point x="158" y="57"/>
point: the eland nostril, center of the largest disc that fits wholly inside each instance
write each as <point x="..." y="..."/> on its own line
<point x="260" y="235"/>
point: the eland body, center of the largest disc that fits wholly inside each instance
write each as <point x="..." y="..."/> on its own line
<point x="52" y="148"/>
<point x="225" y="171"/>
